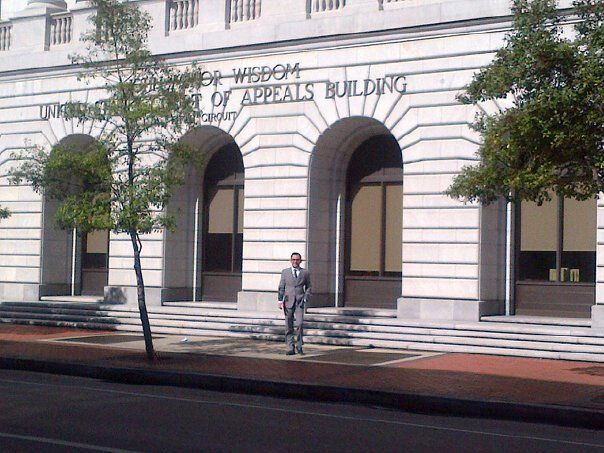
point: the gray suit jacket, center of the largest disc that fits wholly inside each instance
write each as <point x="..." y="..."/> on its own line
<point x="292" y="290"/>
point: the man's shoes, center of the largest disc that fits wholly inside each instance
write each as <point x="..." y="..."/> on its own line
<point x="299" y="350"/>
<point x="290" y="352"/>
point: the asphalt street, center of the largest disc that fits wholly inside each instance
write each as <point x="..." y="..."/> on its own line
<point x="51" y="413"/>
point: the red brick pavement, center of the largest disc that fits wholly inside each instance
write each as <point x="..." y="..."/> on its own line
<point x="463" y="376"/>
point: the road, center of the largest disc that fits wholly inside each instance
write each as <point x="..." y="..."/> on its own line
<point x="50" y="413"/>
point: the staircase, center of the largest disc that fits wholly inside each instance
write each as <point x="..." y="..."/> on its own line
<point x="528" y="337"/>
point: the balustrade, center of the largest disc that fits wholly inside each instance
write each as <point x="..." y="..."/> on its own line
<point x="318" y="6"/>
<point x="385" y="4"/>
<point x="5" y="36"/>
<point x="244" y="10"/>
<point x="183" y="14"/>
<point x="61" y="30"/>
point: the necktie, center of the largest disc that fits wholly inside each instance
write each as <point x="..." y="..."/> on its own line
<point x="295" y="272"/>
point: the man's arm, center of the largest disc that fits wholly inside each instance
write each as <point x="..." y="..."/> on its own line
<point x="307" y="287"/>
<point x="281" y="290"/>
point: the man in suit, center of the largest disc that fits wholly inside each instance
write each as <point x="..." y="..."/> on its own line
<point x="294" y="291"/>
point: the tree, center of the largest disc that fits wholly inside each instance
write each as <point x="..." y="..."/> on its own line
<point x="4" y="213"/>
<point x="121" y="182"/>
<point x="551" y="139"/>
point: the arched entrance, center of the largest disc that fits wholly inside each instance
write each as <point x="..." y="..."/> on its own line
<point x="374" y="214"/>
<point x="223" y="225"/>
<point x="355" y="216"/>
<point x="72" y="263"/>
<point x="203" y="256"/>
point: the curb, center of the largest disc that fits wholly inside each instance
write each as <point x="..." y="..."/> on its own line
<point x="417" y="403"/>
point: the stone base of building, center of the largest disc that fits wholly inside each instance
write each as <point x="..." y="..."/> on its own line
<point x="597" y="316"/>
<point x="19" y="292"/>
<point x="322" y="300"/>
<point x="128" y="295"/>
<point x="179" y="294"/>
<point x="446" y="309"/>
<point x="257" y="301"/>
<point x="54" y="289"/>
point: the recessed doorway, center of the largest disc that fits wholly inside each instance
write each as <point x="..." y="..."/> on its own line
<point x="374" y="213"/>
<point x="95" y="262"/>
<point x="355" y="216"/>
<point x="223" y="225"/>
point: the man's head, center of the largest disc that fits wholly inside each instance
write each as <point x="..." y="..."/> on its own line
<point x="296" y="259"/>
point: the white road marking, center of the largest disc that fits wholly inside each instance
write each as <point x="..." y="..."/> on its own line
<point x="63" y="443"/>
<point x="312" y="413"/>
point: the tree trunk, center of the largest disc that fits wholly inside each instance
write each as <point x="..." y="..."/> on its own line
<point x="140" y="286"/>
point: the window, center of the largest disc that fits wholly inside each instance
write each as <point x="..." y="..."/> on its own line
<point x="95" y="250"/>
<point x="224" y="212"/>
<point x="558" y="241"/>
<point x="375" y="213"/>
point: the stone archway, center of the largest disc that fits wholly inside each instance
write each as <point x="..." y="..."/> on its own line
<point x="72" y="264"/>
<point x="203" y="256"/>
<point x="332" y="213"/>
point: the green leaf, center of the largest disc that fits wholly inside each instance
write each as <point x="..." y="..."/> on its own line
<point x="552" y="137"/>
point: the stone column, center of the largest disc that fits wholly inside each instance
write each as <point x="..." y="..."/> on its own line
<point x="597" y="311"/>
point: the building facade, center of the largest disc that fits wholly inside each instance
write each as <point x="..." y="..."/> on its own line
<point x="331" y="128"/>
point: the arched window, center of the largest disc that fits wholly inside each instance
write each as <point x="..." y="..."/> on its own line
<point x="374" y="227"/>
<point x="223" y="225"/>
<point x="72" y="263"/>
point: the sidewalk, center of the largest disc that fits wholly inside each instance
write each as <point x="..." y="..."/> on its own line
<point x="562" y="392"/>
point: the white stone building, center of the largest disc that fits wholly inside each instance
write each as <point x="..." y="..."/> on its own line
<point x="332" y="129"/>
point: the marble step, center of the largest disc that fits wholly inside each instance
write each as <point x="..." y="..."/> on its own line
<point x="539" y="320"/>
<point x="217" y="305"/>
<point x="127" y="310"/>
<point x="312" y="338"/>
<point x="76" y="299"/>
<point x="582" y="335"/>
<point x="357" y="312"/>
<point x="500" y="324"/>
<point x="569" y="344"/>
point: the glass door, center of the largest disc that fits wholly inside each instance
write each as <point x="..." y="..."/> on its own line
<point x="95" y="262"/>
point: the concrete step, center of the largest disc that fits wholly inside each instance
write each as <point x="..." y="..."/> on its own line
<point x="189" y="304"/>
<point x="357" y="312"/>
<point x="452" y="345"/>
<point x="584" y="336"/>
<point x="539" y="320"/>
<point x="117" y="308"/>
<point x="525" y="339"/>
<point x="334" y="322"/>
<point x="168" y="311"/>
<point x="565" y="344"/>
<point x="325" y="323"/>
<point x="439" y="347"/>
<point x="77" y="299"/>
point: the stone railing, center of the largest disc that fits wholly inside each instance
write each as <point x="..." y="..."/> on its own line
<point x="390" y="3"/>
<point x="5" y="36"/>
<point x="183" y="14"/>
<point x="244" y="10"/>
<point x="61" y="29"/>
<point x="319" y="6"/>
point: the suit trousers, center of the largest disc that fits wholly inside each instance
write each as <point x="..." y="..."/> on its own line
<point x="294" y="318"/>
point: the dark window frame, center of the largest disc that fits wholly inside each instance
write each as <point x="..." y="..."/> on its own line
<point x="382" y="177"/>
<point x="235" y="181"/>
<point x="559" y="248"/>
<point x="88" y="258"/>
